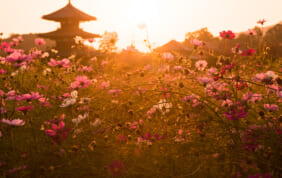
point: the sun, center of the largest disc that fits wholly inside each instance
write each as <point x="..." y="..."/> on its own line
<point x="141" y="11"/>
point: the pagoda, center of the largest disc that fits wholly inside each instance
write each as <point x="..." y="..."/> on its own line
<point x="69" y="18"/>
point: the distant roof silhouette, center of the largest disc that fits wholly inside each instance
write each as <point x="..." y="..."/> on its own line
<point x="69" y="12"/>
<point x="173" y="46"/>
<point x="69" y="33"/>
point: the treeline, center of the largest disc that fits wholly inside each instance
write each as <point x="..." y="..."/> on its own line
<point x="264" y="39"/>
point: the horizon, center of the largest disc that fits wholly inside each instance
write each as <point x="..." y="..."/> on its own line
<point x="165" y="20"/>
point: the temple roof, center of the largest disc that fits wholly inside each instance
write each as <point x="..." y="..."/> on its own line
<point x="69" y="12"/>
<point x="61" y="33"/>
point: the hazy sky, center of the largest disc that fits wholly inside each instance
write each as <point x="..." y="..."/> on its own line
<point x="165" y="19"/>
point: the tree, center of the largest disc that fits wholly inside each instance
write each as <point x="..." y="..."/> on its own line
<point x="273" y="38"/>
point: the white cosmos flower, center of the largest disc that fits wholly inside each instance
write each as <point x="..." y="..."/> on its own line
<point x="67" y="102"/>
<point x="163" y="106"/>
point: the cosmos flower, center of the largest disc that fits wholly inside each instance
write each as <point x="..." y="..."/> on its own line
<point x="249" y="52"/>
<point x="64" y="63"/>
<point x="235" y="114"/>
<point x="39" y="41"/>
<point x="205" y="80"/>
<point x="104" y="85"/>
<point x="271" y="107"/>
<point x="116" y="168"/>
<point x="262" y="21"/>
<point x="81" y="82"/>
<point x="196" y="42"/>
<point x="25" y="108"/>
<point x="201" y="65"/>
<point x="252" y="32"/>
<point x="227" y="34"/>
<point x="2" y="71"/>
<point x="14" y="122"/>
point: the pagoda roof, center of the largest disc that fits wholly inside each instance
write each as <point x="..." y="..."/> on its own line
<point x="61" y="33"/>
<point x="69" y="12"/>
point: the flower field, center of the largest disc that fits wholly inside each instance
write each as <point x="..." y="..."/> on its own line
<point x="172" y="117"/>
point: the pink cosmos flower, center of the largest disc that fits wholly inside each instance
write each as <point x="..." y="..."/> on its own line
<point x="201" y="65"/>
<point x="168" y="56"/>
<point x="227" y="102"/>
<point x="121" y="138"/>
<point x="11" y="95"/>
<point x="116" y="168"/>
<point x="32" y="96"/>
<point x="212" y="71"/>
<point x="104" y="63"/>
<point x="252" y="32"/>
<point x="14" y="122"/>
<point x="196" y="43"/>
<point x="17" y="169"/>
<point x="18" y="59"/>
<point x="104" y="85"/>
<point x="65" y="63"/>
<point x="39" y="41"/>
<point x="249" y="52"/>
<point x="25" y="108"/>
<point x="262" y="21"/>
<point x="227" y="34"/>
<point x="178" y="68"/>
<point x="114" y="92"/>
<point x="3" y="110"/>
<point x="85" y="69"/>
<point x="81" y="82"/>
<point x="90" y="40"/>
<point x="205" y="80"/>
<point x="235" y="114"/>
<point x="271" y="107"/>
<point x="151" y="111"/>
<point x="2" y="93"/>
<point x="2" y="71"/>
<point x="236" y="49"/>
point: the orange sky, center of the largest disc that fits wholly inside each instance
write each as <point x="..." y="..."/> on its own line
<point x="165" y="19"/>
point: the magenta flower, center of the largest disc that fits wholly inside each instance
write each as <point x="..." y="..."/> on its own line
<point x="2" y="71"/>
<point x="14" y="122"/>
<point x="227" y="34"/>
<point x="249" y="52"/>
<point x="259" y="175"/>
<point x="236" y="114"/>
<point x="81" y="82"/>
<point x="116" y="168"/>
<point x="121" y="138"/>
<point x="25" y="108"/>
<point x="262" y="21"/>
<point x="39" y="41"/>
<point x="271" y="107"/>
<point x="57" y="132"/>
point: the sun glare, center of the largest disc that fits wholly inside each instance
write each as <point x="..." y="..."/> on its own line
<point x="141" y="11"/>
